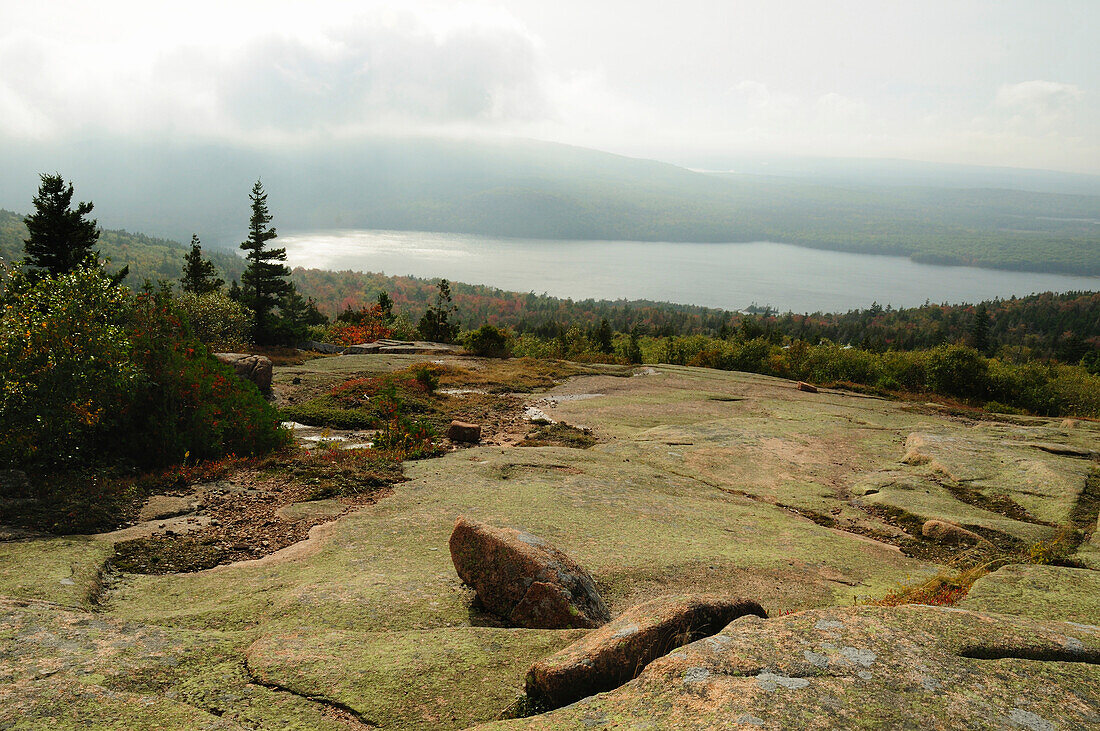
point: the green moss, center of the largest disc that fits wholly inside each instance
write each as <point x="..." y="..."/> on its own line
<point x="1042" y="592"/>
<point x="444" y="678"/>
<point x="62" y="570"/>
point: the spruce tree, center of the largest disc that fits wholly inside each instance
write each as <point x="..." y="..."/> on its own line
<point x="199" y="275"/>
<point x="436" y="324"/>
<point x="980" y="333"/>
<point x="264" y="282"/>
<point x="385" y="303"/>
<point x="61" y="238"/>
<point x="603" y="337"/>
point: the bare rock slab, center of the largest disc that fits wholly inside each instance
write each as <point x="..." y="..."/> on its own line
<point x="617" y="652"/>
<point x="913" y="666"/>
<point x="523" y="579"/>
<point x="255" y="368"/>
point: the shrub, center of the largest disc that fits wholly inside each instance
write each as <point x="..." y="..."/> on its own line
<point x="426" y="377"/>
<point x="92" y="375"/>
<point x="216" y="321"/>
<point x="489" y="342"/>
<point x="362" y="326"/>
<point x="956" y="370"/>
<point x="408" y="438"/>
<point x="189" y="402"/>
<point x="65" y="366"/>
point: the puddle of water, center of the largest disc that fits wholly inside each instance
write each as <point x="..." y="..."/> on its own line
<point x="555" y="400"/>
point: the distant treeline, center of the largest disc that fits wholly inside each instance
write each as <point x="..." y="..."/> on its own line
<point x="1060" y="326"/>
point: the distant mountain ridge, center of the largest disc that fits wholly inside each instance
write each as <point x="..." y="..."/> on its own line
<point x="528" y="189"/>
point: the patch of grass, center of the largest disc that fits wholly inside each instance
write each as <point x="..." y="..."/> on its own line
<point x="946" y="588"/>
<point x="520" y="375"/>
<point x="1058" y="550"/>
<point x="559" y="435"/>
<point x="368" y="402"/>
<point x="339" y="472"/>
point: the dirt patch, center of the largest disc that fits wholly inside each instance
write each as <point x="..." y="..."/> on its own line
<point x="245" y="516"/>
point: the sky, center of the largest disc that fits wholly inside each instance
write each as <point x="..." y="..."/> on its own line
<point x="1005" y="82"/>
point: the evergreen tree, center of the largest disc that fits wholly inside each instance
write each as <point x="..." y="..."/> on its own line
<point x="633" y="349"/>
<point x="235" y="291"/>
<point x="980" y="333"/>
<point x="603" y="337"/>
<point x="385" y="303"/>
<point x="436" y="324"/>
<point x="61" y="238"/>
<point x="264" y="283"/>
<point x="199" y="275"/>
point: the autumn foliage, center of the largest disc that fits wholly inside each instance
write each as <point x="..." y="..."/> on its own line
<point x="92" y="375"/>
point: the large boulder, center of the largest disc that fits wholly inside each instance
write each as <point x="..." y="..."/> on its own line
<point x="617" y="652"/>
<point x="523" y="579"/>
<point x="255" y="368"/>
<point x="913" y="667"/>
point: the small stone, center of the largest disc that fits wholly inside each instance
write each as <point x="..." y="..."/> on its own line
<point x="465" y="432"/>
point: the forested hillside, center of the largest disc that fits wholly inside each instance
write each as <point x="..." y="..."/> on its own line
<point x="532" y="189"/>
<point x="148" y="257"/>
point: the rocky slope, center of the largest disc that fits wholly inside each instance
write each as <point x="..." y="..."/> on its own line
<point x="702" y="482"/>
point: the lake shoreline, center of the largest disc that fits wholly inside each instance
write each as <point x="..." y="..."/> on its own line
<point x="725" y="275"/>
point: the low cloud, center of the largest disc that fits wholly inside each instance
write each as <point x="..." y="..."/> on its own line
<point x="381" y="73"/>
<point x="1044" y="98"/>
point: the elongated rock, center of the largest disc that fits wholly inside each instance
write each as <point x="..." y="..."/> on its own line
<point x="523" y="579"/>
<point x="617" y="652"/>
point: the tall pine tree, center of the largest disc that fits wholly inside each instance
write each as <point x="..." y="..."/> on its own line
<point x="264" y="282"/>
<point x="61" y="238"/>
<point x="199" y="275"/>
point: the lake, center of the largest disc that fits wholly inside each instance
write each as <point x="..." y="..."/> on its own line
<point x="730" y="276"/>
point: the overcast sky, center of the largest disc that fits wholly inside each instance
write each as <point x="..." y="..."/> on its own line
<point x="1002" y="82"/>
